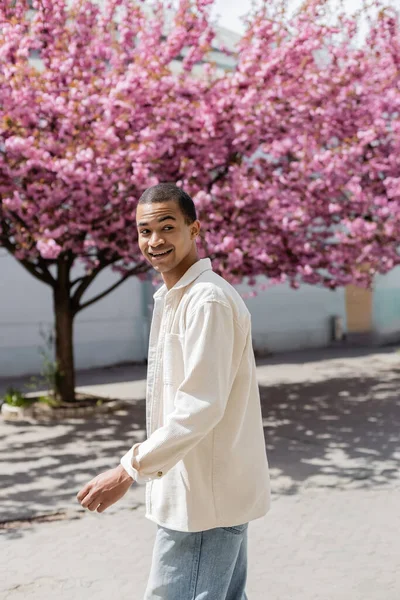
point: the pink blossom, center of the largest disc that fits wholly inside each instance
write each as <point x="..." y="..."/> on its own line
<point x="48" y="249"/>
<point x="291" y="157"/>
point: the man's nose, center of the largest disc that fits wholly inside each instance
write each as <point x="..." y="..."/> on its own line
<point x="155" y="240"/>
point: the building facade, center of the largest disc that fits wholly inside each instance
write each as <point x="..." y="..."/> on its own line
<point x="115" y="329"/>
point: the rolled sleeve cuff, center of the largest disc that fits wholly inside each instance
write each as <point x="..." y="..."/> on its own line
<point x="127" y="462"/>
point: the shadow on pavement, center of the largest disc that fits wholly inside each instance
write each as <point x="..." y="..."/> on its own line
<point x="43" y="466"/>
<point x="338" y="433"/>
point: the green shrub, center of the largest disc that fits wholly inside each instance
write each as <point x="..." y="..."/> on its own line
<point x="50" y="400"/>
<point x="15" y="397"/>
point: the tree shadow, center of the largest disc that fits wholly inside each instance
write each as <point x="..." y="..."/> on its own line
<point x="341" y="433"/>
<point x="43" y="466"/>
<point x="338" y="433"/>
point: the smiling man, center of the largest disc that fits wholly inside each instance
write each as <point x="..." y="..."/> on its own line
<point x="204" y="460"/>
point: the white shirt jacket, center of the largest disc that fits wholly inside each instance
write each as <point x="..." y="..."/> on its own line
<point x="204" y="459"/>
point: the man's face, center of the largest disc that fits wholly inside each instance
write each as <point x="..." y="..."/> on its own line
<point x="165" y="239"/>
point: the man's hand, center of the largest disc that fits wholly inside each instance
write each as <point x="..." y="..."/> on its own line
<point x="105" y="489"/>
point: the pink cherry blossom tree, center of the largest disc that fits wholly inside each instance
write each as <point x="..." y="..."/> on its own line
<point x="291" y="157"/>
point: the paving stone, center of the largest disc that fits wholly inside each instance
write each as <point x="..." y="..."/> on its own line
<point x="332" y="432"/>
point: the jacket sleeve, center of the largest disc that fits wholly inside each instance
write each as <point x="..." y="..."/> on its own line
<point x="200" y="399"/>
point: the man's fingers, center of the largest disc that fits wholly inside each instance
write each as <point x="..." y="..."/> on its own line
<point x="93" y="504"/>
<point x="84" y="492"/>
<point x="90" y="497"/>
<point x="102" y="491"/>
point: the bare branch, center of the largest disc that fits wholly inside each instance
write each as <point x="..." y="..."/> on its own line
<point x="134" y="271"/>
<point x="85" y="283"/>
<point x="38" y="271"/>
<point x="44" y="276"/>
<point x="77" y="280"/>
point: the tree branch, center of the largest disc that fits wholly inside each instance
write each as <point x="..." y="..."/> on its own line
<point x="232" y="159"/>
<point x="77" y="280"/>
<point x="134" y="271"/>
<point x="43" y="274"/>
<point x="85" y="283"/>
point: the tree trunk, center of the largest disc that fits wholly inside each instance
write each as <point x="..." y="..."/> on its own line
<point x="64" y="321"/>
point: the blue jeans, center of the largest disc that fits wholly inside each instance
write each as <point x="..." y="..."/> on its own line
<point x="206" y="565"/>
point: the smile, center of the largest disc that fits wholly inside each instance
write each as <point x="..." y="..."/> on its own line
<point x="157" y="254"/>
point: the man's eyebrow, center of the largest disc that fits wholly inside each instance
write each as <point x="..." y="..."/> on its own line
<point x="160" y="220"/>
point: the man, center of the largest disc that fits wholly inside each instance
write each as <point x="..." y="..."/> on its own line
<point x="204" y="459"/>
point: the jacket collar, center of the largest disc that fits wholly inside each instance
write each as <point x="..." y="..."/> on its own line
<point x="204" y="264"/>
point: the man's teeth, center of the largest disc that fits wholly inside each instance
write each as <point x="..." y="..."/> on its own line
<point x="159" y="253"/>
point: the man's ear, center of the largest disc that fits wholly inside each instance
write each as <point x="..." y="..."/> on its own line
<point x="195" y="230"/>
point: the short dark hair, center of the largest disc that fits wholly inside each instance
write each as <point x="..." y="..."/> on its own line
<point x="164" y="192"/>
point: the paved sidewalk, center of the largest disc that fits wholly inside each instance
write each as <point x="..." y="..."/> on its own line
<point x="312" y="546"/>
<point x="332" y="432"/>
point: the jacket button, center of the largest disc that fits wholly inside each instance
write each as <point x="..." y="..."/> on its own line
<point x="159" y="474"/>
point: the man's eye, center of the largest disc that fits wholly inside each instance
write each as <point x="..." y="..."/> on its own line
<point x="168" y="227"/>
<point x="144" y="231"/>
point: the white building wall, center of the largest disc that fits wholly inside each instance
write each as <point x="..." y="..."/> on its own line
<point x="386" y="306"/>
<point x="115" y="329"/>
<point x="110" y="331"/>
<point x="287" y="319"/>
